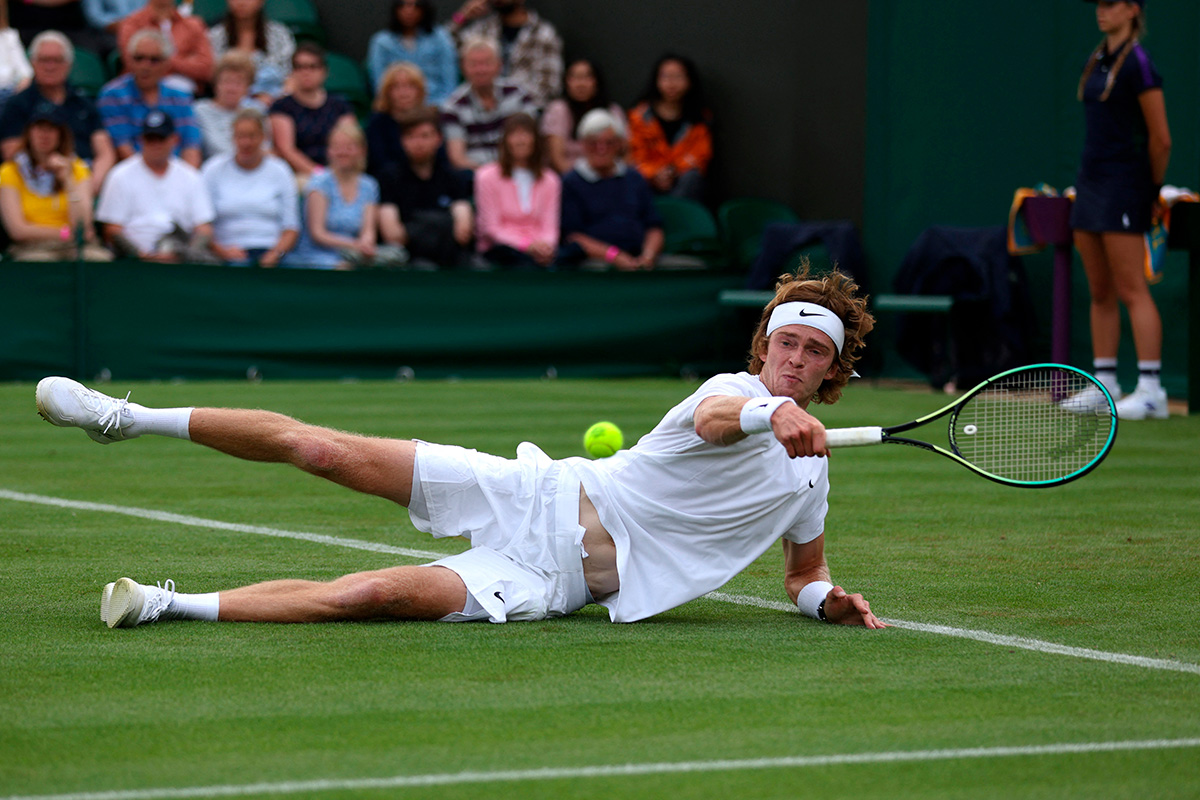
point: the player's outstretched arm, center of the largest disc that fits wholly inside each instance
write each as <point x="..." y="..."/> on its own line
<point x="804" y="566"/>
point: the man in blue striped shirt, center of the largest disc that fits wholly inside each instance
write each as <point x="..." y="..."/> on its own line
<point x="125" y="101"/>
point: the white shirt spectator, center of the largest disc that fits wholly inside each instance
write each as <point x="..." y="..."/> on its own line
<point x="255" y="206"/>
<point x="149" y="206"/>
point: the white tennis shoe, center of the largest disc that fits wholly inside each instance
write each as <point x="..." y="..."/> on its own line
<point x="127" y="603"/>
<point x="1090" y="401"/>
<point x="1144" y="404"/>
<point x="70" y="404"/>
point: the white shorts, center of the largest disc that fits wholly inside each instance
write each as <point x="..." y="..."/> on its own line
<point x="522" y="519"/>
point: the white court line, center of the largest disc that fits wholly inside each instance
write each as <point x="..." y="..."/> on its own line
<point x="200" y="522"/>
<point x="1018" y="642"/>
<point x="616" y="771"/>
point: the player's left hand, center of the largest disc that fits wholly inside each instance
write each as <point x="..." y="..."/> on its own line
<point x="850" y="609"/>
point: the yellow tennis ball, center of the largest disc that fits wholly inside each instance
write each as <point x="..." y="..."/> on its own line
<point x="603" y="439"/>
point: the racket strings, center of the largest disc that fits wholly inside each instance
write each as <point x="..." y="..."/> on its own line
<point x="1035" y="426"/>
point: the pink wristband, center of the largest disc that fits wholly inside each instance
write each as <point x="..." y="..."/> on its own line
<point x="610" y="255"/>
<point x="458" y="18"/>
<point x="64" y="233"/>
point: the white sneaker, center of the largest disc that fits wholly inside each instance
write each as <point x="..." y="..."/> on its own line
<point x="70" y="404"/>
<point x="1089" y="401"/>
<point x="1144" y="404"/>
<point x="127" y="603"/>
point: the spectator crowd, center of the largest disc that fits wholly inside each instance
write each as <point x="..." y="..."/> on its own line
<point x="222" y="144"/>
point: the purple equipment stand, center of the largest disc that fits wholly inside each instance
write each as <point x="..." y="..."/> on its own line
<point x="1049" y="222"/>
<point x="1185" y="235"/>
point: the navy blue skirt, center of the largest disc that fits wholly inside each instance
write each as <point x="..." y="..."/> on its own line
<point x="1115" y="203"/>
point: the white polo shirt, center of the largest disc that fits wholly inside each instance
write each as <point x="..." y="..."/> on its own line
<point x="686" y="516"/>
<point x="148" y="206"/>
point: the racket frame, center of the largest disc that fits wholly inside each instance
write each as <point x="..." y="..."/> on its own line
<point x="851" y="437"/>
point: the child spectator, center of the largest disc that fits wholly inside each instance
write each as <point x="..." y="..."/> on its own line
<point x="45" y="195"/>
<point x="585" y="91"/>
<point x="518" y="200"/>
<point x="670" y="142"/>
<point x="413" y="38"/>
<point x="246" y="29"/>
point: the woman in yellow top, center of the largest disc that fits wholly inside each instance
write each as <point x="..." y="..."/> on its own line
<point x="45" y="196"/>
<point x="670" y="141"/>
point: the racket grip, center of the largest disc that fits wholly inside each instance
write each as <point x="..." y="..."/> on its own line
<point x="853" y="437"/>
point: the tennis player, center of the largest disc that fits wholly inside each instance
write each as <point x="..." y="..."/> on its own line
<point x="737" y="466"/>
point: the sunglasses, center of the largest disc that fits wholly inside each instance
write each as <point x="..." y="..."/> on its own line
<point x="140" y="59"/>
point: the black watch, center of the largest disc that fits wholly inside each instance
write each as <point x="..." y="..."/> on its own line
<point x="821" y="612"/>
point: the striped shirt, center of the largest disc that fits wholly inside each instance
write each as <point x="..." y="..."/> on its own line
<point x="123" y="110"/>
<point x="465" y="118"/>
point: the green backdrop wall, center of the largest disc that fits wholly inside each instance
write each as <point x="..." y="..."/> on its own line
<point x="968" y="101"/>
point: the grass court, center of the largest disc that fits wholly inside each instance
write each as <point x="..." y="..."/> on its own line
<point x="1080" y="679"/>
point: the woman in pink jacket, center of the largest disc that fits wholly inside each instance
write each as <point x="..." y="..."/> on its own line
<point x="517" y="200"/>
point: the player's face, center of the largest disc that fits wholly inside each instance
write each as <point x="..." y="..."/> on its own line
<point x="798" y="358"/>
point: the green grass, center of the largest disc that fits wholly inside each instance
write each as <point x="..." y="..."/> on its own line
<point x="1109" y="563"/>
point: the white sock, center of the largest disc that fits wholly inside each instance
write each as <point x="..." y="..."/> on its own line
<point x="1148" y="376"/>
<point x="162" y="421"/>
<point x="1105" y="370"/>
<point x="194" y="606"/>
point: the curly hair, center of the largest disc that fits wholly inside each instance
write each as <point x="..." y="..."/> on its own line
<point x="835" y="291"/>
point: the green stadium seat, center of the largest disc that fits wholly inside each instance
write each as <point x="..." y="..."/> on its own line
<point x="300" y="16"/>
<point x="349" y="79"/>
<point x="742" y="222"/>
<point x="690" y="231"/>
<point x="211" y="11"/>
<point x="88" y="73"/>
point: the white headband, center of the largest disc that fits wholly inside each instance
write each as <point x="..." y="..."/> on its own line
<point x="812" y="315"/>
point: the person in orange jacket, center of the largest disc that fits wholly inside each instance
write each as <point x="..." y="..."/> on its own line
<point x="670" y="141"/>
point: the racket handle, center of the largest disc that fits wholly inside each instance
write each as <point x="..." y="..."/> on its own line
<point x="853" y="437"/>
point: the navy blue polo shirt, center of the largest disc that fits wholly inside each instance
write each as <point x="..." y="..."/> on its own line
<point x="1116" y="128"/>
<point x="78" y="110"/>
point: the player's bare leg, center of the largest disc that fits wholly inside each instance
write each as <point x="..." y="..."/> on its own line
<point x="406" y="593"/>
<point x="382" y="467"/>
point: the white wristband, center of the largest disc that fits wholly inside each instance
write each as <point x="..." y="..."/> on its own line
<point x="756" y="414"/>
<point x="810" y="597"/>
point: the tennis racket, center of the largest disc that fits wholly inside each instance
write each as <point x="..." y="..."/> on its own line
<point x="1036" y="426"/>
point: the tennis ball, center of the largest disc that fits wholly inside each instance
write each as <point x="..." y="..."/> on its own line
<point x="603" y="439"/>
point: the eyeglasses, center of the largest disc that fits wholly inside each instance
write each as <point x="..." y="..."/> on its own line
<point x="308" y="65"/>
<point x="138" y="59"/>
<point x="49" y="60"/>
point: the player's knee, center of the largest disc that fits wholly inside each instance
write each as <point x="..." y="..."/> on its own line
<point x="314" y="452"/>
<point x="363" y="595"/>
